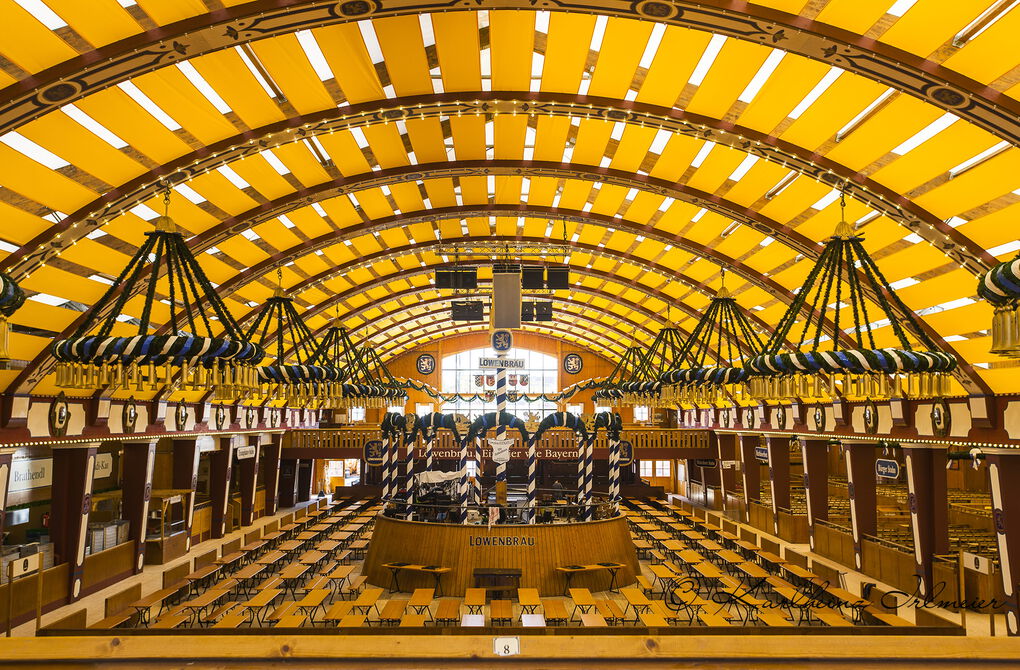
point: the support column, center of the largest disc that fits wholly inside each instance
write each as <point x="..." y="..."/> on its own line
<point x="779" y="476"/>
<point x="750" y="471"/>
<point x="186" y="456"/>
<point x="247" y="473"/>
<point x="726" y="450"/>
<point x="500" y="428"/>
<point x="5" y="475"/>
<point x="1003" y="474"/>
<point x="860" y="474"/>
<point x="815" y="455"/>
<point x="72" y="501"/>
<point x="288" y="482"/>
<point x="271" y="474"/>
<point x="139" y="460"/>
<point x="220" y="466"/>
<point x="929" y="509"/>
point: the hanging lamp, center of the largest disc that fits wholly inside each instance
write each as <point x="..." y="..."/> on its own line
<point x="361" y="388"/>
<point x="101" y="353"/>
<point x="627" y="370"/>
<point x="11" y="300"/>
<point x="299" y="382"/>
<point x="715" y="356"/>
<point x="665" y="353"/>
<point x="845" y="276"/>
<point x="1001" y="287"/>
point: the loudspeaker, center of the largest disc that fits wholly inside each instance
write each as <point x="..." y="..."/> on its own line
<point x="557" y="278"/>
<point x="532" y="277"/>
<point x="506" y="298"/>
<point x="457" y="279"/>
<point x="543" y="311"/>
<point x="527" y="311"/>
<point x="467" y="310"/>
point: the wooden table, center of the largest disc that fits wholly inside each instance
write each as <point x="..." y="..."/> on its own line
<point x="198" y="604"/>
<point x="771" y="559"/>
<point x="529" y="600"/>
<point x="693" y="535"/>
<point x="359" y="547"/>
<point x="421" y="600"/>
<point x="201" y="575"/>
<point x="306" y="535"/>
<point x="636" y="599"/>
<point x="583" y="601"/>
<point x="246" y="576"/>
<point x="291" y="575"/>
<point x="664" y="576"/>
<point x="271" y="558"/>
<point x="290" y="546"/>
<point x="474" y="600"/>
<point x="568" y="571"/>
<point x="437" y="572"/>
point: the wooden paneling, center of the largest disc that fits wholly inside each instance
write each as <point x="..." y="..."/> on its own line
<point x="55" y="592"/>
<point x="104" y="566"/>
<point x="451" y="545"/>
<point x="834" y="544"/>
<point x="121" y="600"/>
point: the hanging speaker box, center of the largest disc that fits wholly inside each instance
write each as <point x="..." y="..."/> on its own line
<point x="527" y="311"/>
<point x="543" y="311"/>
<point x="557" y="278"/>
<point x="506" y="297"/>
<point x="467" y="310"/>
<point x="533" y="278"/>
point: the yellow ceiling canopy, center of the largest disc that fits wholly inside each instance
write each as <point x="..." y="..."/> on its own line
<point x="354" y="147"/>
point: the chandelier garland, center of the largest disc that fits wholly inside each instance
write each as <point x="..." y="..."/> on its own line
<point x="1000" y="286"/>
<point x="865" y="370"/>
<point x="300" y="382"/>
<point x="189" y="358"/>
<point x="715" y="356"/>
<point x="11" y="300"/>
<point x="630" y="369"/>
<point x="362" y="386"/>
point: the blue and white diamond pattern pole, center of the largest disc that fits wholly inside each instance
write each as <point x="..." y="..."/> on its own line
<point x="409" y="475"/>
<point x="532" y="479"/>
<point x="463" y="487"/>
<point x="589" y="475"/>
<point x="502" y="341"/>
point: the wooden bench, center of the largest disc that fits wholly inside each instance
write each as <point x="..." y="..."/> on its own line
<point x="501" y="612"/>
<point x="713" y="618"/>
<point x="555" y="612"/>
<point x="356" y="586"/>
<point x="171" y="620"/>
<point x="76" y="620"/>
<point x="448" y="612"/>
<point x="337" y="611"/>
<point x="645" y="585"/>
<point x="118" y="609"/>
<point x="772" y="617"/>
<point x="830" y="617"/>
<point x="291" y="621"/>
<point x="886" y="618"/>
<point x="609" y="610"/>
<point x="412" y="620"/>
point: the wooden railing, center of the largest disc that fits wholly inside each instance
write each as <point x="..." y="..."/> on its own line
<point x="558" y="439"/>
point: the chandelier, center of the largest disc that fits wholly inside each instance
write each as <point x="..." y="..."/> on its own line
<point x="300" y="382"/>
<point x="833" y="303"/>
<point x="645" y="384"/>
<point x="629" y="370"/>
<point x="368" y="382"/>
<point x="1001" y="287"/>
<point x="715" y="355"/>
<point x="107" y="352"/>
<point x="11" y="300"/>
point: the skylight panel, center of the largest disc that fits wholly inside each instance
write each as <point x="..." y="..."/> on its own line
<point x="926" y="133"/>
<point x="148" y="105"/>
<point x="233" y="177"/>
<point x="47" y="299"/>
<point x="250" y="235"/>
<point x="864" y="115"/>
<point x="144" y="212"/>
<point x="762" y="76"/>
<point x="190" y="194"/>
<point x="371" y="41"/>
<point x="203" y="87"/>
<point x="314" y="54"/>
<point x="256" y="72"/>
<point x="828" y="80"/>
<point x="743" y="168"/>
<point x="44" y="14"/>
<point x="913" y="238"/>
<point x="617" y="131"/>
<point x="702" y="154"/>
<point x="903" y="283"/>
<point x="974" y="161"/>
<point x="485" y="62"/>
<point x="826" y="200"/>
<point x="660" y="141"/>
<point x="652" y="47"/>
<point x="287" y="223"/>
<point x="537" y="63"/>
<point x="428" y="35"/>
<point x="542" y="22"/>
<point x="275" y="162"/>
<point x="707" y="58"/>
<point x="666" y="203"/>
<point x="697" y="215"/>
<point x="27" y="147"/>
<point x="598" y="33"/>
<point x="359" y="137"/>
<point x="318" y="209"/>
<point x="1007" y="248"/>
<point x="93" y="126"/>
<point x="900" y="7"/>
<point x="8" y="247"/>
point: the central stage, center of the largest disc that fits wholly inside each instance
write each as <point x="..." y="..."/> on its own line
<point x="536" y="550"/>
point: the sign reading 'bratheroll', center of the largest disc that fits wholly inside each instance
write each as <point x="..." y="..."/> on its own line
<point x="496" y="363"/>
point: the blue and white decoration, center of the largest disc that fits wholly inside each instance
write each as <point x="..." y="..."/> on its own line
<point x="502" y="341"/>
<point x="573" y="364"/>
<point x="426" y="364"/>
